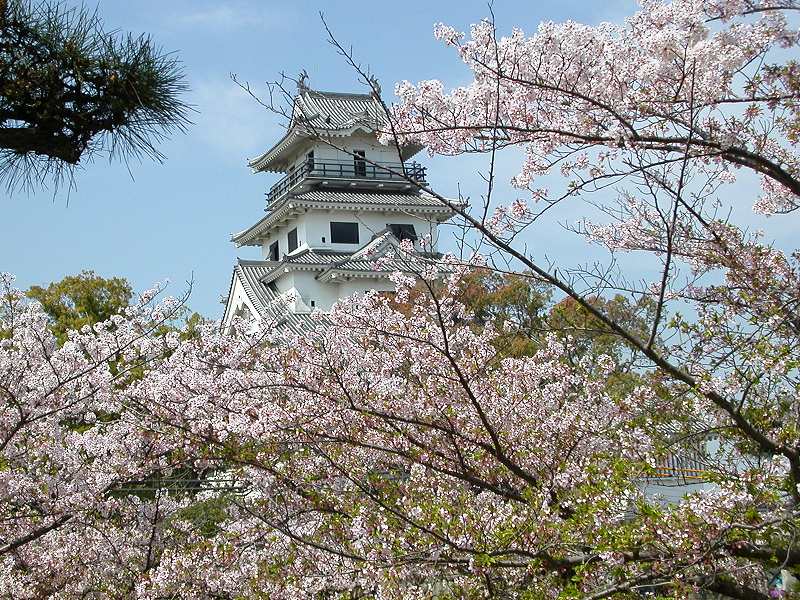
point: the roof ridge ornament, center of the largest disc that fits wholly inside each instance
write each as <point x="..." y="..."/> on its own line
<point x="375" y="85"/>
<point x="302" y="82"/>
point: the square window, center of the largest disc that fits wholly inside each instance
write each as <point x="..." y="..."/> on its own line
<point x="344" y="233"/>
<point x="403" y="231"/>
<point x="292" y="240"/>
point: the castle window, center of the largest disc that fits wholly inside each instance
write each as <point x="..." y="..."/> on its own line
<point x="344" y="233"/>
<point x="273" y="251"/>
<point x="359" y="164"/>
<point x="403" y="231"/>
<point x="292" y="240"/>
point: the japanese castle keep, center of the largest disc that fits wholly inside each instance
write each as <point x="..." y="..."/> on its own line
<point x="344" y="201"/>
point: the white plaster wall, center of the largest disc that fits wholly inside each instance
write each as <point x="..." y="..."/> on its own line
<point x="307" y="288"/>
<point x="359" y="286"/>
<point x="671" y="492"/>
<point x="315" y="225"/>
<point x="359" y="141"/>
<point x="305" y="284"/>
<point x="285" y="282"/>
<point x="374" y="151"/>
<point x="281" y="234"/>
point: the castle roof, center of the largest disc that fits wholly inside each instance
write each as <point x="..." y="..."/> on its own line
<point x="267" y="301"/>
<point x="323" y="114"/>
<point x="319" y="180"/>
<point x="335" y="111"/>
<point x="376" y="259"/>
<point x="401" y="201"/>
<point x="291" y="205"/>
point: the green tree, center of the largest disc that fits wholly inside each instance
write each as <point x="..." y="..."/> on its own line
<point x="83" y="299"/>
<point x="518" y="301"/>
<point x="70" y="90"/>
<point x="593" y="337"/>
<point x="527" y="311"/>
<point x="87" y="298"/>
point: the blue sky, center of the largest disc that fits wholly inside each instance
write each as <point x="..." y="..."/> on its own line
<point x="173" y="220"/>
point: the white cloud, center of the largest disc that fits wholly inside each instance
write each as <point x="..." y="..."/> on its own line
<point x="230" y="122"/>
<point x="230" y="16"/>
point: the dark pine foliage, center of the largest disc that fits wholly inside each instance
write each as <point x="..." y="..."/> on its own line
<point x="69" y="90"/>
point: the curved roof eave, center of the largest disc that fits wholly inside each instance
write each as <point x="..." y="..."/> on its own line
<point x="267" y="304"/>
<point x="270" y="160"/>
<point x="243" y="238"/>
<point x="260" y="163"/>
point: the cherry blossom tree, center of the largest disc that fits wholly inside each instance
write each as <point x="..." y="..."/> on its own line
<point x="70" y="445"/>
<point x="650" y="123"/>
<point x="397" y="451"/>
<point x="660" y="123"/>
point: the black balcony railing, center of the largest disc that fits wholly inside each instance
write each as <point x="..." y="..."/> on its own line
<point x="284" y="185"/>
<point x="347" y="170"/>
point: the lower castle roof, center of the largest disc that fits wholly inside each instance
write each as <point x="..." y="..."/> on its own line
<point x="290" y="205"/>
<point x="376" y="259"/>
<point x="267" y="301"/>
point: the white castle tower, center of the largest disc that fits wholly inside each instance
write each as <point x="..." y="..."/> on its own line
<point x="344" y="202"/>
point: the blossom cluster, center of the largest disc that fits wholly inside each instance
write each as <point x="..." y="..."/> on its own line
<point x="394" y="450"/>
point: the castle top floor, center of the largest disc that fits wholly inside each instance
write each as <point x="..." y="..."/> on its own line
<point x="330" y="144"/>
<point x="330" y="120"/>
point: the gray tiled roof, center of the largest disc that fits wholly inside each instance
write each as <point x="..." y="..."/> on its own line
<point x="336" y="111"/>
<point x="330" y="113"/>
<point x="402" y="200"/>
<point x="405" y="263"/>
<point x="424" y="203"/>
<point x="370" y="266"/>
<point x="267" y="301"/>
<point x="314" y="257"/>
<point x="365" y="259"/>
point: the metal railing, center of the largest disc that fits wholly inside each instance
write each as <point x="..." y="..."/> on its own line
<point x="354" y="169"/>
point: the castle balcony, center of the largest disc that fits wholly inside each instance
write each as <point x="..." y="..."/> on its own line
<point x="348" y="174"/>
